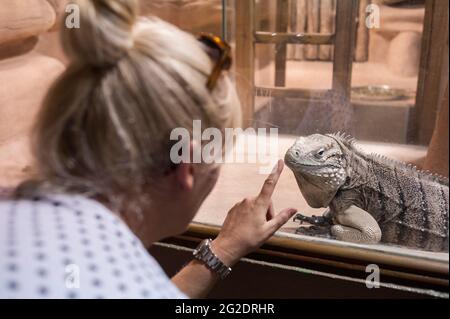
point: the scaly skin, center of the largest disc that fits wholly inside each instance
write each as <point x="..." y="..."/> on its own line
<point x="370" y="198"/>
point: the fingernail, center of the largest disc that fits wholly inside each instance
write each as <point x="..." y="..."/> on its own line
<point x="275" y="168"/>
<point x="280" y="164"/>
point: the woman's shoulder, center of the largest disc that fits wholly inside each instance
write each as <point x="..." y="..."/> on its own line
<point x="68" y="246"/>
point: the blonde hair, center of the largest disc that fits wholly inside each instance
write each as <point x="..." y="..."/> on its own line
<point x="104" y="127"/>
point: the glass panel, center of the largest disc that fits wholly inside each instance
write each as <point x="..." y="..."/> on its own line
<point x="300" y="89"/>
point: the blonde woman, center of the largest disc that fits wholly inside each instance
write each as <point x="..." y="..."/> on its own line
<point x="106" y="187"/>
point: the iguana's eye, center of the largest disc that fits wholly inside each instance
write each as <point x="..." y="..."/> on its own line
<point x="320" y="152"/>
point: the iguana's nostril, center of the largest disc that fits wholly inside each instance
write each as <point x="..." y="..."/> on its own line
<point x="297" y="153"/>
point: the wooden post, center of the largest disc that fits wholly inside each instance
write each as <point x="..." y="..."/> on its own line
<point x="301" y="28"/>
<point x="433" y="73"/>
<point x="282" y="23"/>
<point x="362" y="35"/>
<point x="313" y="7"/>
<point x="245" y="58"/>
<point x="292" y="28"/>
<point x="346" y="13"/>
<point x="326" y="26"/>
<point x="437" y="155"/>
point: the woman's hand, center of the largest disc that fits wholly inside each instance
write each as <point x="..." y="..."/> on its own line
<point x="251" y="222"/>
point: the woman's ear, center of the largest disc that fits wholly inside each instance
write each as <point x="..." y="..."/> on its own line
<point x="184" y="175"/>
<point x="184" y="172"/>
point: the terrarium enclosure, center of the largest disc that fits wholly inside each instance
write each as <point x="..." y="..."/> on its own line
<point x="375" y="69"/>
<point x="367" y="68"/>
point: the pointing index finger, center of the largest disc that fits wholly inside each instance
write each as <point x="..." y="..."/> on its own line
<point x="271" y="181"/>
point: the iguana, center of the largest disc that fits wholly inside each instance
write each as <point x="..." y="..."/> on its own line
<point x="370" y="198"/>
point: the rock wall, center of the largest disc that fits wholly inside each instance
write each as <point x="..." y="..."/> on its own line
<point x="193" y="16"/>
<point x="27" y="69"/>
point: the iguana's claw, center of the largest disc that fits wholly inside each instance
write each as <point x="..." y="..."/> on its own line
<point x="300" y="218"/>
<point x="313" y="220"/>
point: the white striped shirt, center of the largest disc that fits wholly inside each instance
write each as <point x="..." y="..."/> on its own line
<point x="68" y="246"/>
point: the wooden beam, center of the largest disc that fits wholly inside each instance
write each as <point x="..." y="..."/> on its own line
<point x="433" y="75"/>
<point x="313" y="22"/>
<point x="299" y="50"/>
<point x="293" y="38"/>
<point x="327" y="23"/>
<point x="292" y="27"/>
<point x="282" y="23"/>
<point x="346" y="13"/>
<point x="436" y="160"/>
<point x="362" y="34"/>
<point x="245" y="58"/>
<point x="335" y="249"/>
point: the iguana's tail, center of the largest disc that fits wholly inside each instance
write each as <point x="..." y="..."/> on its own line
<point x="405" y="235"/>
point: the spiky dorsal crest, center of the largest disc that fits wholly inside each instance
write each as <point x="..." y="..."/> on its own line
<point x="426" y="175"/>
<point x="351" y="144"/>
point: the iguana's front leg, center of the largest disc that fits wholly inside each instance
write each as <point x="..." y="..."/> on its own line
<point x="357" y="226"/>
<point x="321" y="225"/>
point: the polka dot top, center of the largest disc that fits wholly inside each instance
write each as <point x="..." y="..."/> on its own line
<point x="61" y="246"/>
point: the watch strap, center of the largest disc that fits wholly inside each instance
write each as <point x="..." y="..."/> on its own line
<point x="204" y="254"/>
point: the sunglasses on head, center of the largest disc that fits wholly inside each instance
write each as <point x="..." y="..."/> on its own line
<point x="220" y="52"/>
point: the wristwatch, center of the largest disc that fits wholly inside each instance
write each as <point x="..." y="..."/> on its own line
<point x="204" y="253"/>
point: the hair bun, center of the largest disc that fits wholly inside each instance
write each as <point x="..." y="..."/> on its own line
<point x="105" y="32"/>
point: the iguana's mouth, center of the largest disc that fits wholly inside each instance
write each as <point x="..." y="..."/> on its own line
<point x="317" y="165"/>
<point x="307" y="168"/>
<point x="310" y="165"/>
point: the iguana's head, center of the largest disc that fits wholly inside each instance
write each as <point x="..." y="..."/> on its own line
<point x="319" y="165"/>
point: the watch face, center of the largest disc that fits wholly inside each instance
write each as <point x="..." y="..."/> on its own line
<point x="200" y="246"/>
